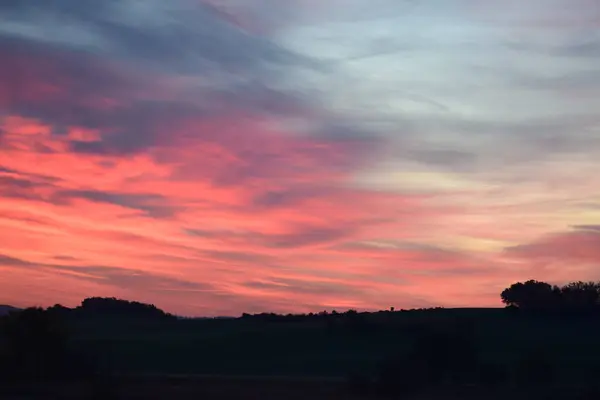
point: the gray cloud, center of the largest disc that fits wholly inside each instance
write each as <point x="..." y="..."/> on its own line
<point x="585" y="45"/>
<point x="309" y="236"/>
<point x="36" y="187"/>
<point x="295" y="195"/>
<point x="154" y="205"/>
<point x="587" y="227"/>
<point x="186" y="40"/>
<point x="131" y="278"/>
<point x="239" y="256"/>
<point x="19" y="185"/>
<point x="301" y="236"/>
<point x="114" y="276"/>
<point x="297" y="286"/>
<point x="17" y="188"/>
<point x="12" y="261"/>
<point x="260" y="72"/>
<point x="138" y="122"/>
<point x="183" y="36"/>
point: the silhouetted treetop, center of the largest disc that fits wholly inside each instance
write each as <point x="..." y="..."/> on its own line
<point x="536" y="295"/>
<point x="119" y="307"/>
<point x="581" y="294"/>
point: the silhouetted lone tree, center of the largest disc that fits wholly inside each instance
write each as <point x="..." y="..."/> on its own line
<point x="536" y="295"/>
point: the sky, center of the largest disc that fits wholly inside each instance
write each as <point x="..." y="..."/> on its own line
<point x="215" y="157"/>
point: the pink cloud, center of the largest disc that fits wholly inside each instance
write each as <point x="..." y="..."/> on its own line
<point x="290" y="236"/>
<point x="132" y="182"/>
<point x="562" y="257"/>
<point x="284" y="252"/>
<point x="224" y="233"/>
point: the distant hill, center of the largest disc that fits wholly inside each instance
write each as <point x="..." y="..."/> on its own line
<point x="4" y="309"/>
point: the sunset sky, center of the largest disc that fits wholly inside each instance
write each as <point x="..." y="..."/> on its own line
<point x="215" y="157"/>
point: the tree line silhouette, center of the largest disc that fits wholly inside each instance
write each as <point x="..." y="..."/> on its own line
<point x="35" y="343"/>
<point x="111" y="307"/>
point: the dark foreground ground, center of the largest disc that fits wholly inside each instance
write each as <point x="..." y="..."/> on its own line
<point x="273" y="388"/>
<point x="543" y="357"/>
<point x="334" y="348"/>
<point x="183" y="388"/>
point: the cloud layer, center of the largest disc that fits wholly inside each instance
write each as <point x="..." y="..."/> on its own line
<point x="218" y="157"/>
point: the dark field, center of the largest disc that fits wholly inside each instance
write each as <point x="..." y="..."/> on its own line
<point x="334" y="357"/>
<point x="186" y="387"/>
<point x="324" y="349"/>
<point x="270" y="388"/>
